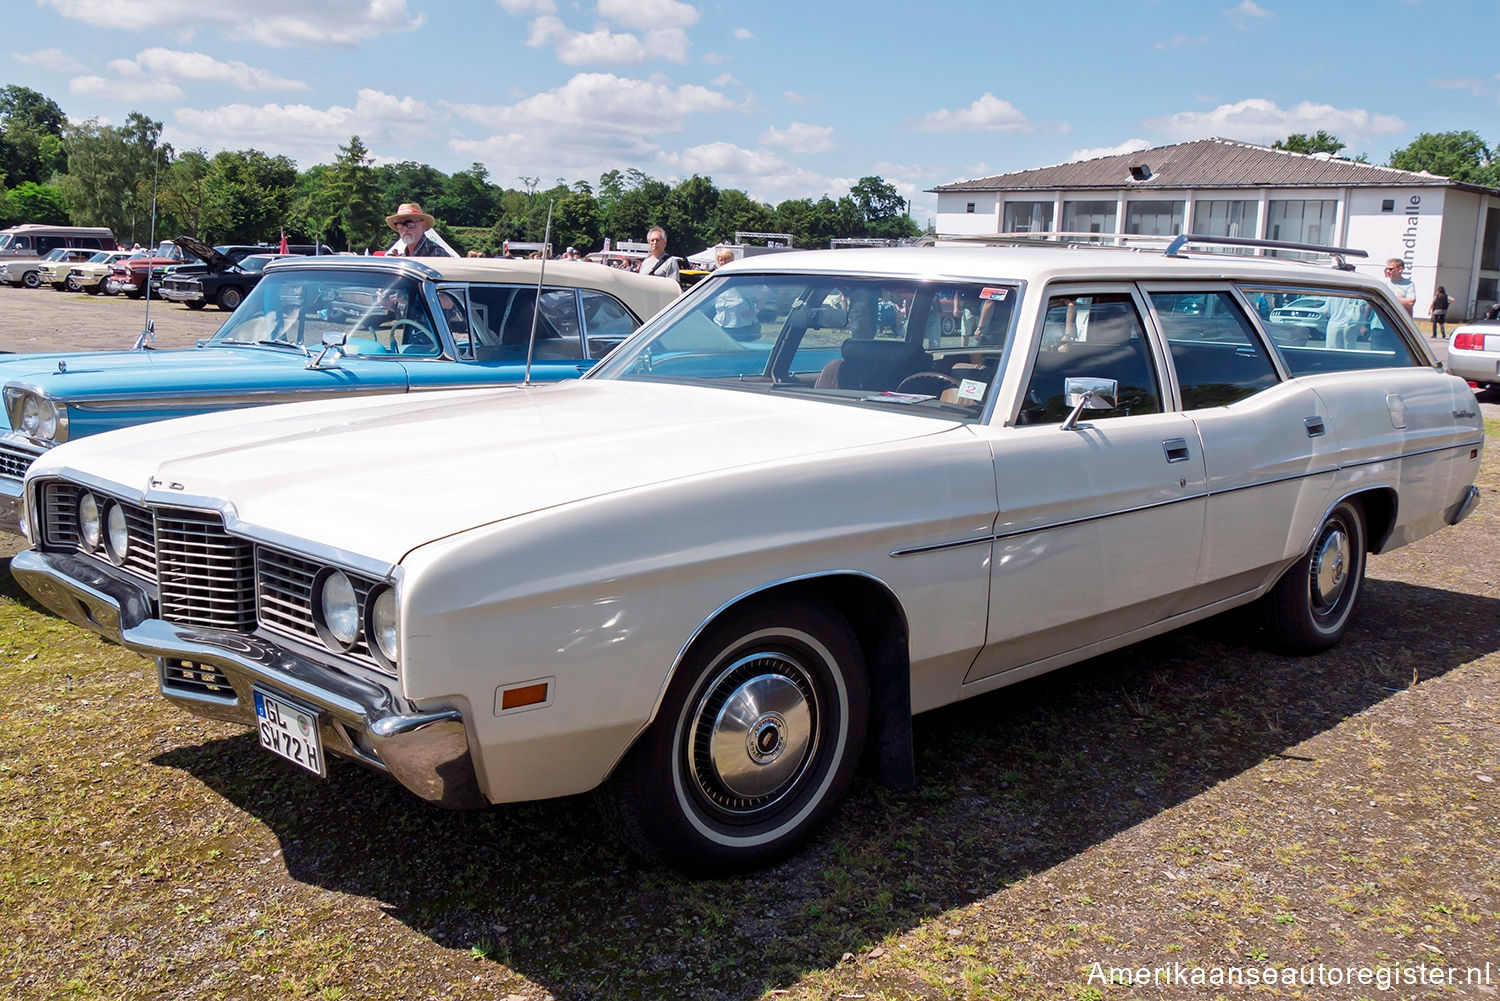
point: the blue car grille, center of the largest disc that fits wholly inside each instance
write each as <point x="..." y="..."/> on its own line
<point x="15" y="460"/>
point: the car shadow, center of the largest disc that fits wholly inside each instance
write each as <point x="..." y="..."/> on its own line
<point x="1009" y="784"/>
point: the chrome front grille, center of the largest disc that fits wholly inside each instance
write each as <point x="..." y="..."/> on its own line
<point x="60" y="527"/>
<point x="188" y="677"/>
<point x="286" y="596"/>
<point x="15" y="460"/>
<point x="205" y="576"/>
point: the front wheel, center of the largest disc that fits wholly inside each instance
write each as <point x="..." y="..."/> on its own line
<point x="31" y="279"/>
<point x="71" y="284"/>
<point x="1310" y="607"/>
<point x="755" y="745"/>
<point x="230" y="298"/>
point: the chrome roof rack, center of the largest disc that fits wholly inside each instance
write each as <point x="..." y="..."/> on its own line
<point x="1337" y="253"/>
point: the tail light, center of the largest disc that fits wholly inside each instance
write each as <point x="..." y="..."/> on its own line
<point x="1468" y="342"/>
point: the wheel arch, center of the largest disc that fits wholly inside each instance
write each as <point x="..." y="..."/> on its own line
<point x="1379" y="505"/>
<point x="879" y="623"/>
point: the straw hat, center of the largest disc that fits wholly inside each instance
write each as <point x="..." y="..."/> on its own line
<point x="409" y="210"/>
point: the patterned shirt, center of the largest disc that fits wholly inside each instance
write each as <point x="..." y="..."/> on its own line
<point x="424" y="247"/>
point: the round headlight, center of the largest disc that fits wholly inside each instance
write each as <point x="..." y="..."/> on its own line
<point x="31" y="414"/>
<point x="383" y="622"/>
<point x="117" y="534"/>
<point x="89" y="524"/>
<point x="46" y="419"/>
<point x="338" y="609"/>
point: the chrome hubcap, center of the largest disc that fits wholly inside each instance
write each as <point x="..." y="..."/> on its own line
<point x="1330" y="567"/>
<point x="754" y="732"/>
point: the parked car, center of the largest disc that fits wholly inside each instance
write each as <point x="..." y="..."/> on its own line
<point x="223" y="278"/>
<point x="28" y="271"/>
<point x="89" y="276"/>
<point x="56" y="272"/>
<point x="401" y="326"/>
<point x="1474" y="352"/>
<point x="129" y="275"/>
<point x="1304" y="311"/>
<point x="33" y="240"/>
<point x="713" y="575"/>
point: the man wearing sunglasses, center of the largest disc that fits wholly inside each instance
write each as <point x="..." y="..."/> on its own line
<point x="411" y="225"/>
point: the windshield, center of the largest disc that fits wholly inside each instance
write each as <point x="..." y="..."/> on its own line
<point x="378" y="313"/>
<point x="255" y="263"/>
<point x="5" y="241"/>
<point x="101" y="257"/>
<point x="893" y="342"/>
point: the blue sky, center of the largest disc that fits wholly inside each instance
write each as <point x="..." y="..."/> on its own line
<point x="777" y="98"/>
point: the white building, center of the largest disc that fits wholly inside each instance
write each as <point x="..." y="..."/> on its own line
<point x="1448" y="232"/>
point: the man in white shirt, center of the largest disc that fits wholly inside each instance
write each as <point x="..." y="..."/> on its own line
<point x="1404" y="290"/>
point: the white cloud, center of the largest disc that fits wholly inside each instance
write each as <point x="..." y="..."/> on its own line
<point x="520" y="8"/>
<point x="1473" y="85"/>
<point x="1260" y="120"/>
<point x="52" y="59"/>
<point x="593" y="119"/>
<point x="762" y="175"/>
<point x="380" y="119"/>
<point x="1243" y="14"/>
<point x="800" y="137"/>
<point x="792" y="97"/>
<point x="124" y="90"/>
<point x="649" y="14"/>
<point x="601" y="47"/>
<point x="270" y="22"/>
<point x="725" y="80"/>
<point x="1128" y="146"/>
<point x="988" y="114"/>
<point x="174" y="66"/>
<point x="1179" y="41"/>
<point x="744" y="34"/>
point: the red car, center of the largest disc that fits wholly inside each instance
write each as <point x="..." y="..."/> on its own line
<point x="128" y="276"/>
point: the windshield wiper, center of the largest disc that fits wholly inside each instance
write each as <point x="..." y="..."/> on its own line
<point x="272" y="342"/>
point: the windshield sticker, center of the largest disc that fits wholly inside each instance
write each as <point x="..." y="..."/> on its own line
<point x="971" y="389"/>
<point x="998" y="294"/>
<point x="889" y="397"/>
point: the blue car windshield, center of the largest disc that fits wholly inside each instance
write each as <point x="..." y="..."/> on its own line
<point x="378" y="314"/>
<point x="890" y="341"/>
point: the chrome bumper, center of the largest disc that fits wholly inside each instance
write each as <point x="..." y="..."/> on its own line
<point x="428" y="753"/>
<point x="177" y="295"/>
<point x="1466" y="506"/>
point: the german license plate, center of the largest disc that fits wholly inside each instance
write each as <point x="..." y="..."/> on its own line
<point x="289" y="731"/>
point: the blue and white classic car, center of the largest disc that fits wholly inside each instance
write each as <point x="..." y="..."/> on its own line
<point x="714" y="574"/>
<point x="400" y="326"/>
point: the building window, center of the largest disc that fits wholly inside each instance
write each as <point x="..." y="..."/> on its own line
<point x="1088" y="217"/>
<point x="969" y="208"/>
<point x="1489" y="249"/>
<point x="1028" y="217"/>
<point x="1297" y="221"/>
<point x="1154" y="218"/>
<point x="1388" y="205"/>
<point x="1226" y="217"/>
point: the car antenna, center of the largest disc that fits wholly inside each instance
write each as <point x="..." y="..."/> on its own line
<point x="536" y="309"/>
<point x="148" y="332"/>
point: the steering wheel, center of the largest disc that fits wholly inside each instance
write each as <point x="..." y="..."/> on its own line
<point x="419" y="340"/>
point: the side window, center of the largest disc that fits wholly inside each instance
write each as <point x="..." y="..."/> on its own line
<point x="1336" y="332"/>
<point x="47" y="243"/>
<point x="1216" y="354"/>
<point x="1094" y="336"/>
<point x="564" y="338"/>
<point x="453" y="300"/>
<point x="605" y="322"/>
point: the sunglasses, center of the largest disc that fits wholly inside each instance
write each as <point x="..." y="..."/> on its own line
<point x="406" y="222"/>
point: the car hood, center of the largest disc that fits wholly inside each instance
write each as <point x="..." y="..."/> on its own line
<point x="380" y="476"/>
<point x="204" y="253"/>
<point x="199" y="372"/>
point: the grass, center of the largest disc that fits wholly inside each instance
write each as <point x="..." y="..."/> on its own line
<point x="1191" y="800"/>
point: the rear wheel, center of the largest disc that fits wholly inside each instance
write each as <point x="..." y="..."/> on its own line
<point x="755" y="744"/>
<point x="1310" y="607"/>
<point x="71" y="283"/>
<point x="31" y="279"/>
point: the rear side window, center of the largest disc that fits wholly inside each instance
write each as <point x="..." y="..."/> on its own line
<point x="1094" y="336"/>
<point x="1334" y="332"/>
<point x="1217" y="356"/>
<point x="606" y="322"/>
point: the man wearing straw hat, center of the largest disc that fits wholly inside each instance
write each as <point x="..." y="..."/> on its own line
<point x="411" y="225"/>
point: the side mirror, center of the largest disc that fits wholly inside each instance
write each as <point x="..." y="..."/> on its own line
<point x="1087" y="393"/>
<point x="333" y="340"/>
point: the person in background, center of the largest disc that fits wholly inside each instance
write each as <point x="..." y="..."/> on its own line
<point x="658" y="263"/>
<point x="411" y="225"/>
<point x="723" y="256"/>
<point x="1404" y="290"/>
<point x="1493" y="313"/>
<point x="1439" y="311"/>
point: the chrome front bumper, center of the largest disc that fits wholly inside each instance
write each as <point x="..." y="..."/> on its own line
<point x="181" y="295"/>
<point x="210" y="672"/>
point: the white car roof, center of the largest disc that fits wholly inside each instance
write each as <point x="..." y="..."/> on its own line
<point x="1041" y="264"/>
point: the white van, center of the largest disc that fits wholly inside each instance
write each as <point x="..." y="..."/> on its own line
<point x="33" y="240"/>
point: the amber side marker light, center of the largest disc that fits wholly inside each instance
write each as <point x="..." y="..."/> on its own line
<point x="526" y="695"/>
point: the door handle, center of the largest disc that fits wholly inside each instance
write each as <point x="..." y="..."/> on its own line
<point x="1176" y="449"/>
<point x="1315" y="427"/>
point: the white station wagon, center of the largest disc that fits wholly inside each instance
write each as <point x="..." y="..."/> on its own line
<point x="820" y="493"/>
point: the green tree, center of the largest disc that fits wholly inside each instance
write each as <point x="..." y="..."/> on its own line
<point x="575" y="222"/>
<point x="639" y="206"/>
<point x="1463" y="156"/>
<point x="347" y="200"/>
<point x="42" y="203"/>
<point x="1318" y="142"/>
<point x="408" y="181"/>
<point x="687" y="214"/>
<point x="111" y="172"/>
<point x="247" y="195"/>
<point x="182" y="193"/>
<point x="31" y="136"/>
<point x="467" y="199"/>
